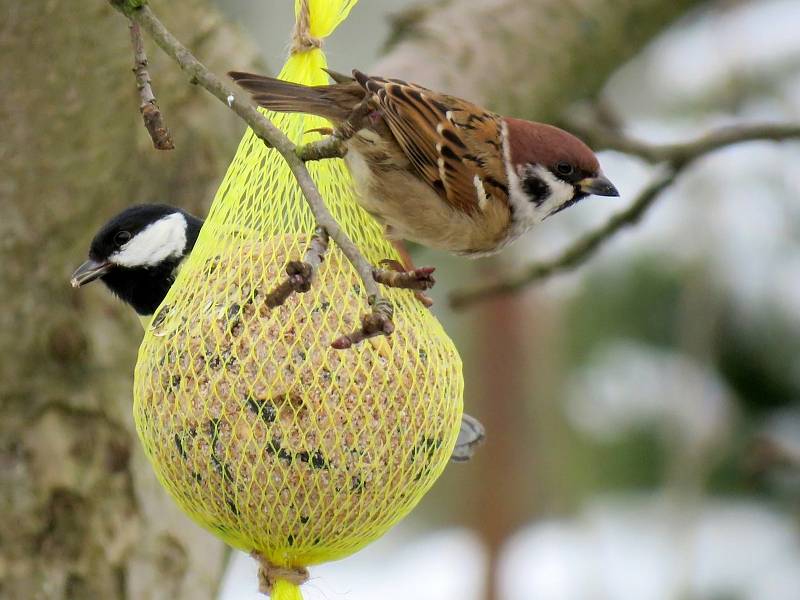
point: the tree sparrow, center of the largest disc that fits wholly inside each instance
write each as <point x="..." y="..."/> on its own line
<point x="439" y="170"/>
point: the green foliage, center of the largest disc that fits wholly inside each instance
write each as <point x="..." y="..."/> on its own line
<point x="640" y="302"/>
<point x="637" y="461"/>
<point x="758" y="358"/>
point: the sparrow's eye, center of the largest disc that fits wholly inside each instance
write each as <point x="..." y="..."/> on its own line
<point x="564" y="168"/>
<point x="122" y="237"/>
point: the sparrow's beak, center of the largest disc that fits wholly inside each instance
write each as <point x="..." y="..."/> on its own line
<point x="599" y="186"/>
<point x="89" y="271"/>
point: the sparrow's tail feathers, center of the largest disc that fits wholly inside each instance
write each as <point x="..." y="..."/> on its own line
<point x="334" y="102"/>
<point x="338" y="77"/>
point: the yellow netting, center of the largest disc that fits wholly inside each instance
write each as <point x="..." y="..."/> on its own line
<point x="262" y="432"/>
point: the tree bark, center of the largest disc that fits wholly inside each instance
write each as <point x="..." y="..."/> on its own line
<point x="525" y="58"/>
<point x="82" y="513"/>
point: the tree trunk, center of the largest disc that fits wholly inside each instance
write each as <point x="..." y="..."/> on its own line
<point x="82" y="513"/>
<point x="500" y="466"/>
<point x="526" y="58"/>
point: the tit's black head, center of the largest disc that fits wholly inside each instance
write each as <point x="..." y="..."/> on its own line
<point x="137" y="253"/>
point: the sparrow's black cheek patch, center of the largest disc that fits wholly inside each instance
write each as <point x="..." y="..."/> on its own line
<point x="536" y="189"/>
<point x="575" y="198"/>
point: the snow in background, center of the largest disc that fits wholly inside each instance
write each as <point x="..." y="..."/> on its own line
<point x="397" y="566"/>
<point x="627" y="548"/>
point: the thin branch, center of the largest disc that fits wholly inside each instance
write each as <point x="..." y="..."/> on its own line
<point x="263" y="127"/>
<point x="151" y="114"/>
<point x="377" y="322"/>
<point x="676" y="158"/>
<point x="299" y="274"/>
<point x="683" y="152"/>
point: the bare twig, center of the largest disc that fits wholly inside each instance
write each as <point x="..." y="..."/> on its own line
<point x="675" y="156"/>
<point x="377" y="322"/>
<point x="300" y="273"/>
<point x="684" y="152"/>
<point x="198" y="74"/>
<point x="153" y="122"/>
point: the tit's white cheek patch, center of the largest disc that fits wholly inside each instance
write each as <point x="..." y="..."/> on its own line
<point x="166" y="238"/>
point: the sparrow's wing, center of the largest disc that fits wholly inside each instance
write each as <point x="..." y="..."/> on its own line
<point x="454" y="145"/>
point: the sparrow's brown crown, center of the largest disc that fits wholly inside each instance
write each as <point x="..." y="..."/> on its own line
<point x="541" y="144"/>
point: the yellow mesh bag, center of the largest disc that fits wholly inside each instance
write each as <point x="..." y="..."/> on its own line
<point x="263" y="433"/>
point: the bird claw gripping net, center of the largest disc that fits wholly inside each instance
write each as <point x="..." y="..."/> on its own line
<point x="261" y="431"/>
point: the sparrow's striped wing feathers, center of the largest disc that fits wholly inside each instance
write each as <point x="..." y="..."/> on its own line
<point x="453" y="145"/>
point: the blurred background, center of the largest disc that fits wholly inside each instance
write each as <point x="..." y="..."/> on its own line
<point x="642" y="409"/>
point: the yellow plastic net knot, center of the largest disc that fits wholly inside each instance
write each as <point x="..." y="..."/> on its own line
<point x="262" y="432"/>
<point x="302" y="40"/>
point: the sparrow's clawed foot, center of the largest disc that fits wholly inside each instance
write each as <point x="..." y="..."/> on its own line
<point x="396" y="275"/>
<point x="331" y="146"/>
<point x="356" y="120"/>
<point x="334" y="145"/>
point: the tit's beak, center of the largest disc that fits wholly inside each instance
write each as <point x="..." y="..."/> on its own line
<point x="89" y="271"/>
<point x="599" y="186"/>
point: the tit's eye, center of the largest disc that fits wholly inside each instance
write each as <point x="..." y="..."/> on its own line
<point x="122" y="237"/>
<point x="564" y="168"/>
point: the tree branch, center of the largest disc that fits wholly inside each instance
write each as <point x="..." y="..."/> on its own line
<point x="377" y="322"/>
<point x="198" y="74"/>
<point x="153" y="122"/>
<point x="684" y="152"/>
<point x="300" y="273"/>
<point x="676" y="158"/>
